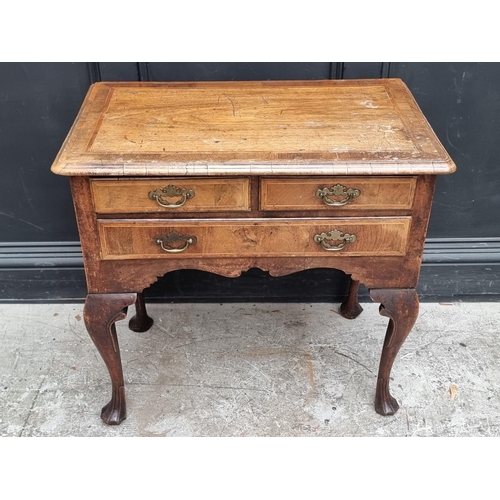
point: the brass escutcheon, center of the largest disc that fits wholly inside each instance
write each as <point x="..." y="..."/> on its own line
<point x="171" y="191"/>
<point x="334" y="235"/>
<point x="337" y="191"/>
<point x="166" y="241"/>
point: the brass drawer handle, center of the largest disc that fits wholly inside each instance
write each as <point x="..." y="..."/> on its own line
<point x="334" y="235"/>
<point x="337" y="190"/>
<point x="171" y="191"/>
<point x="166" y="241"/>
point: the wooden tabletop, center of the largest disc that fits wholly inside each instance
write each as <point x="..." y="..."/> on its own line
<point x="326" y="127"/>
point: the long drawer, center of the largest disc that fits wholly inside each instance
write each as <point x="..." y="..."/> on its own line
<point x="170" y="195"/>
<point x="331" y="194"/>
<point x="140" y="239"/>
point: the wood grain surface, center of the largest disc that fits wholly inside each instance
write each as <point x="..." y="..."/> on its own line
<point x="382" y="236"/>
<point x="300" y="127"/>
<point x="211" y="195"/>
<point x="380" y="193"/>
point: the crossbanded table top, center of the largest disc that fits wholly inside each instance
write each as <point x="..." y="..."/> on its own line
<point x="324" y="127"/>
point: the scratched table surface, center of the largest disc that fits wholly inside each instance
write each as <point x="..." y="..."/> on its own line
<point x="210" y="128"/>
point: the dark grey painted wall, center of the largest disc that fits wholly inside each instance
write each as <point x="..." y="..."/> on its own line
<point x="39" y="253"/>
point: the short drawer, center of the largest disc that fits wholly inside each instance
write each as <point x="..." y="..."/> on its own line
<point x="170" y="195"/>
<point x="334" y="193"/>
<point x="138" y="239"/>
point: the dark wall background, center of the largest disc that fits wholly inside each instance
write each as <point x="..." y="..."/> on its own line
<point x="39" y="251"/>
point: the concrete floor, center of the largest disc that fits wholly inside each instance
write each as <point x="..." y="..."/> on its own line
<point x="252" y="370"/>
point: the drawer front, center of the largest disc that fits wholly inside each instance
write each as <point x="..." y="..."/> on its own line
<point x="170" y="195"/>
<point x="330" y="194"/>
<point x="129" y="239"/>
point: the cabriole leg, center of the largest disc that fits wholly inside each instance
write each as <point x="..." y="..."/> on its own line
<point x="141" y="322"/>
<point x="100" y="313"/>
<point x="401" y="307"/>
<point x="351" y="309"/>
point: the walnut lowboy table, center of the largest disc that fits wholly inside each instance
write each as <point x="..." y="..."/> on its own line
<point x="225" y="176"/>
